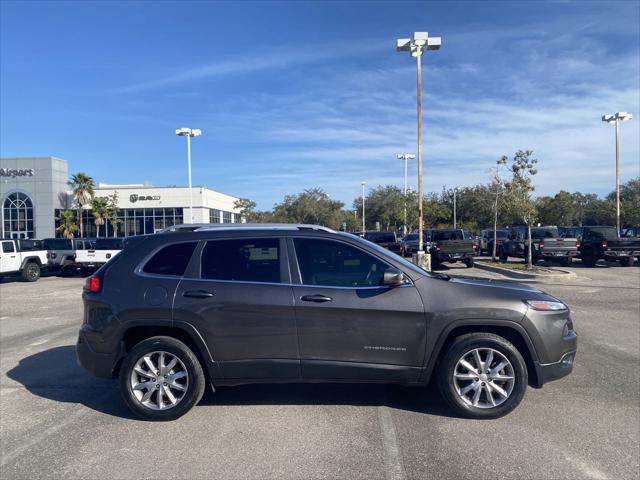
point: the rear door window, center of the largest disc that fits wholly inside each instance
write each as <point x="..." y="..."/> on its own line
<point x="243" y="260"/>
<point x="171" y="260"/>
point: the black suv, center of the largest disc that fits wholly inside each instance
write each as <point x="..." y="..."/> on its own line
<point x="237" y="304"/>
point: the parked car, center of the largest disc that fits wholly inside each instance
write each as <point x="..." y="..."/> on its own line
<point x="409" y="244"/>
<point x="451" y="245"/>
<point x="603" y="243"/>
<point x="100" y="252"/>
<point x="387" y="240"/>
<point x="61" y="252"/>
<point x="25" y="258"/>
<point x="173" y="313"/>
<point x="547" y="244"/>
<point x="485" y="244"/>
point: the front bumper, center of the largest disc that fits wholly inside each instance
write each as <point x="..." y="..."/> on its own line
<point x="553" y="371"/>
<point x="98" y="364"/>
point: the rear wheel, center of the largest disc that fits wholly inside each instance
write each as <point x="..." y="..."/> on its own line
<point x="30" y="272"/>
<point x="626" y="261"/>
<point x="589" y="259"/>
<point x="469" y="262"/>
<point x="161" y="379"/>
<point x="482" y="376"/>
<point x="502" y="254"/>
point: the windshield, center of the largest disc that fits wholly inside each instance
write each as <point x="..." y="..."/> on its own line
<point x="631" y="232"/>
<point x="411" y="237"/>
<point x="447" y="235"/>
<point x="608" y="233"/>
<point x="501" y="234"/>
<point x="380" y="236"/>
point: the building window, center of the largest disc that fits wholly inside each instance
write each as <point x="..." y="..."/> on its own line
<point x="214" y="216"/>
<point x="17" y="215"/>
<point x="226" y="217"/>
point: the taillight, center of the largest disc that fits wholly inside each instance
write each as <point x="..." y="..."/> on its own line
<point x="475" y="246"/>
<point x="605" y="244"/>
<point x="541" y="243"/>
<point x="578" y="244"/>
<point x="92" y="284"/>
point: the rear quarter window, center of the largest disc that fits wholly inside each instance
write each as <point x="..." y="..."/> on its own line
<point x="171" y="260"/>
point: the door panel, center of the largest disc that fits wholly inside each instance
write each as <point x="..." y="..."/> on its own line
<point x="248" y="326"/>
<point x="9" y="258"/>
<point x="364" y="331"/>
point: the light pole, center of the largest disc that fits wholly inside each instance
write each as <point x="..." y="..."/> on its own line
<point x="363" y="222"/>
<point x="406" y="157"/>
<point x="415" y="46"/>
<point x="617" y="118"/>
<point x="455" y="208"/>
<point x="189" y="132"/>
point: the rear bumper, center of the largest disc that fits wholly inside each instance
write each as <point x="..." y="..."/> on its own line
<point x="97" y="364"/>
<point x="559" y="254"/>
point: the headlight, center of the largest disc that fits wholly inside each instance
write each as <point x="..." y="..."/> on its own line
<point x="546" y="305"/>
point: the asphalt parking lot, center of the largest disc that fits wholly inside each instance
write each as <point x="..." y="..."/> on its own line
<point x="58" y="422"/>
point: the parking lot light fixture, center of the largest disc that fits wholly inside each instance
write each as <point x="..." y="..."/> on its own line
<point x="617" y="118"/>
<point x="189" y="132"/>
<point x="405" y="157"/>
<point x="416" y="46"/>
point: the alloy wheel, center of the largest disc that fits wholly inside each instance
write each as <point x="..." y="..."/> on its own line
<point x="484" y="378"/>
<point x="159" y="380"/>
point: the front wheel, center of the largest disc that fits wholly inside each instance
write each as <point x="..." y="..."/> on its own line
<point x="30" y="272"/>
<point x="161" y="379"/>
<point x="482" y="376"/>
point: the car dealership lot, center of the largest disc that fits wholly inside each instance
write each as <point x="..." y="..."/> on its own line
<point x="57" y="421"/>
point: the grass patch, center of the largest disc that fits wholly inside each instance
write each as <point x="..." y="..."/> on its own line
<point x="518" y="266"/>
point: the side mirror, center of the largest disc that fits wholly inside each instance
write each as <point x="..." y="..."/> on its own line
<point x="393" y="277"/>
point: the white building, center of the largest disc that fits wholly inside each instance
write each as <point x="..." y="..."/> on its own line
<point x="34" y="190"/>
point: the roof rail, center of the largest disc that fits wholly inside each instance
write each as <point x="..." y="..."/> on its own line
<point x="203" y="227"/>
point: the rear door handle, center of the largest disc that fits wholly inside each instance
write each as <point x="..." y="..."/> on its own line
<point x="197" y="294"/>
<point x="316" y="298"/>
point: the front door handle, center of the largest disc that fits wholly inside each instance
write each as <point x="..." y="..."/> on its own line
<point x="316" y="298"/>
<point x="197" y="294"/>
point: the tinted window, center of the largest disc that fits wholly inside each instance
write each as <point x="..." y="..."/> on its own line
<point x="323" y="262"/>
<point x="447" y="235"/>
<point x="500" y="234"/>
<point x="411" y="237"/>
<point x="243" y="260"/>
<point x="544" y="233"/>
<point x="57" y="244"/>
<point x="171" y="260"/>
<point x="380" y="236"/>
<point x="600" y="232"/>
<point x="7" y="247"/>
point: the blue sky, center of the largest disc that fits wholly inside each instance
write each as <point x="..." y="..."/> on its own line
<point x="294" y="95"/>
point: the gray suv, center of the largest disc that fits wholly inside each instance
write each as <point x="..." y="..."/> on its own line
<point x="238" y="304"/>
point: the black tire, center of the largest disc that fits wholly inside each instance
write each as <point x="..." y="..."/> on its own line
<point x="30" y="272"/>
<point x="195" y="387"/>
<point x="469" y="262"/>
<point x="460" y="347"/>
<point x="502" y="255"/>
<point x="626" y="261"/>
<point x="589" y="259"/>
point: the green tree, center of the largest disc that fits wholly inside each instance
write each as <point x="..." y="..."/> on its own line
<point x="520" y="187"/>
<point x="384" y="204"/>
<point x="82" y="186"/>
<point x="68" y="225"/>
<point x="311" y="206"/>
<point x="99" y="210"/>
<point x="629" y="202"/>
<point x="111" y="212"/>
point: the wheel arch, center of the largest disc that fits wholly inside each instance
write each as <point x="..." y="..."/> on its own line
<point x="32" y="259"/>
<point x="186" y="333"/>
<point x="511" y="331"/>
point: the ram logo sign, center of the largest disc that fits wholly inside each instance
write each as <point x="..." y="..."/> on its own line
<point x="134" y="197"/>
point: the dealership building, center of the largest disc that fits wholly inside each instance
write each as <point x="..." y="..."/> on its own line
<point x="34" y="190"/>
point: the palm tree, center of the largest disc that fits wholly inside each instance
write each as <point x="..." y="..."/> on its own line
<point x="67" y="224"/>
<point x="100" y="212"/>
<point x="82" y="186"/>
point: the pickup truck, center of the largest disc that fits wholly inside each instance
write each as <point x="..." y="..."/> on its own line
<point x="547" y="244"/>
<point x="100" y="252"/>
<point x="486" y="240"/>
<point x="451" y="245"/>
<point x="61" y="252"/>
<point x="386" y="240"/>
<point x="25" y="258"/>
<point x="603" y="243"/>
